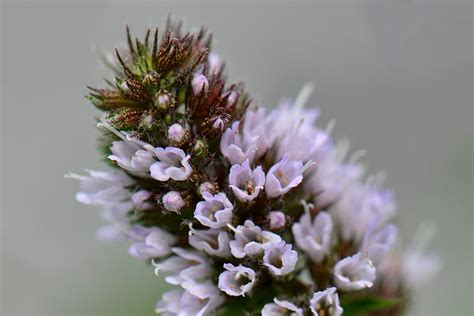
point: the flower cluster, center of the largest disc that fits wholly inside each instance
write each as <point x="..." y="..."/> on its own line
<point x="245" y="211"/>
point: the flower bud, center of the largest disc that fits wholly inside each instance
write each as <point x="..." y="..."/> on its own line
<point x="148" y="120"/>
<point x="176" y="133"/>
<point x="232" y="98"/>
<point x="124" y="86"/>
<point x="164" y="100"/>
<point x="173" y="202"/>
<point x="208" y="187"/>
<point x="219" y="124"/>
<point x="148" y="79"/>
<point x="200" y="147"/>
<point x="277" y="220"/>
<point x="215" y="63"/>
<point x="200" y="83"/>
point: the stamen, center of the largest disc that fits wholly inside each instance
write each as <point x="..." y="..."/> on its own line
<point x="307" y="208"/>
<point x="236" y="231"/>
<point x="74" y="176"/>
<point x="303" y="96"/>
<point x="192" y="231"/>
<point x="330" y="126"/>
<point x="308" y="165"/>
<point x="356" y="156"/>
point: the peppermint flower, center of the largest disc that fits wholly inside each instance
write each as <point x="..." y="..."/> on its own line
<point x="185" y="265"/>
<point x="245" y="182"/>
<point x="325" y="303"/>
<point x="131" y="156"/>
<point x="281" y="308"/>
<point x="103" y="188"/>
<point x="314" y="237"/>
<point x="283" y="176"/>
<point x="359" y="206"/>
<point x="354" y="273"/>
<point x="212" y="241"/>
<point x="173" y="164"/>
<point x="250" y="240"/>
<point x="377" y="243"/>
<point x="215" y="211"/>
<point x="236" y="281"/>
<point x="140" y="200"/>
<point x="181" y="302"/>
<point x="224" y="153"/>
<point x="251" y="143"/>
<point x="154" y="242"/>
<point x="279" y="258"/>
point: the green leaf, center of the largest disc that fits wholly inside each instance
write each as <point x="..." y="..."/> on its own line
<point x="361" y="306"/>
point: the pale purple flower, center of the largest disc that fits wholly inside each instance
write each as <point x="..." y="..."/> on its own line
<point x="173" y="164"/>
<point x="332" y="177"/>
<point x="215" y="211"/>
<point x="212" y="241"/>
<point x="236" y="281"/>
<point x="299" y="138"/>
<point x="236" y="147"/>
<point x="295" y="133"/>
<point x="141" y="200"/>
<point x="251" y="141"/>
<point x="103" y="188"/>
<point x="110" y="234"/>
<point x="357" y="208"/>
<point x="185" y="265"/>
<point x="354" y="273"/>
<point x="418" y="267"/>
<point x="130" y="155"/>
<point x="326" y="303"/>
<point x="176" y="133"/>
<point x="314" y="237"/>
<point x="185" y="303"/>
<point x="277" y="220"/>
<point x="281" y="308"/>
<point x="245" y="182"/>
<point x="378" y="242"/>
<point x="279" y="258"/>
<point x="215" y="64"/>
<point x="250" y="240"/>
<point x="153" y="242"/>
<point x="283" y="176"/>
<point x="173" y="201"/>
<point x="200" y="83"/>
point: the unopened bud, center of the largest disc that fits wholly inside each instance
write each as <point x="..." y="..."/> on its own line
<point x="148" y="79"/>
<point x="164" y="100"/>
<point x="200" y="147"/>
<point x="208" y="187"/>
<point x="219" y="124"/>
<point x="123" y="85"/>
<point x="232" y="98"/>
<point x="277" y="220"/>
<point x="214" y="63"/>
<point x="176" y="133"/>
<point x="173" y="202"/>
<point x="199" y="84"/>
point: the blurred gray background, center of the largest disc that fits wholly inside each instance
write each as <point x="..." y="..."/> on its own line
<point x="396" y="76"/>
